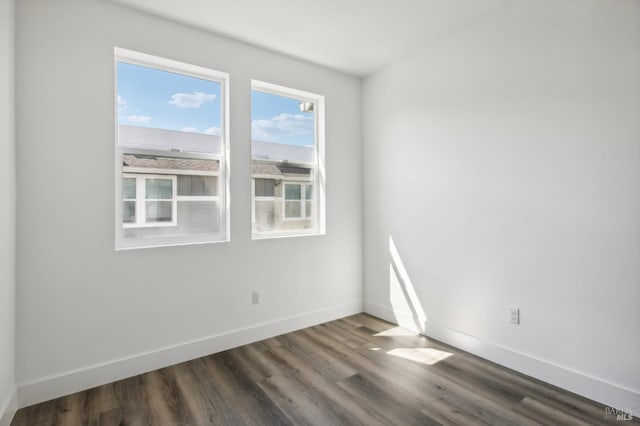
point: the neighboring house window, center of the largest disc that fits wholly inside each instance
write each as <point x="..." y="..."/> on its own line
<point x="265" y="187"/>
<point x="298" y="200"/>
<point x="287" y="166"/>
<point x="149" y="200"/>
<point x="172" y="152"/>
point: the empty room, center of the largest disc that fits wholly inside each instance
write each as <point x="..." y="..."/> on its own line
<point x="274" y="212"/>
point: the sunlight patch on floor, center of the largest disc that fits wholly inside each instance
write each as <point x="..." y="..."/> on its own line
<point x="427" y="356"/>
<point x="398" y="331"/>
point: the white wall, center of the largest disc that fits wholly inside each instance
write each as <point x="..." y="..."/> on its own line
<point x="88" y="314"/>
<point x="7" y="212"/>
<point x="503" y="160"/>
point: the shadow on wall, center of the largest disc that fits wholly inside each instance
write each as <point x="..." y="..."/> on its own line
<point x="404" y="300"/>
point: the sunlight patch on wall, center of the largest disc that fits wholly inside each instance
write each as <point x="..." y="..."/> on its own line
<point x="402" y="294"/>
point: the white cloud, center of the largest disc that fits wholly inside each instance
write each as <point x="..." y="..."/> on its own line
<point x="190" y="130"/>
<point x="122" y="104"/>
<point x="282" y="125"/>
<point x="139" y="119"/>
<point x="191" y="100"/>
<point x="213" y="130"/>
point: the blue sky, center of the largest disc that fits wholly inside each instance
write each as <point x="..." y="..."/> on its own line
<point x="149" y="97"/>
<point x="278" y="119"/>
<point x="152" y="98"/>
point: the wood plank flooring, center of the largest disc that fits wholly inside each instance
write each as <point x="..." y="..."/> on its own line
<point x="357" y="370"/>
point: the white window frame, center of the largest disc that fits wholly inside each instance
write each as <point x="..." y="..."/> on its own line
<point x="318" y="180"/>
<point x="164" y="64"/>
<point x="141" y="201"/>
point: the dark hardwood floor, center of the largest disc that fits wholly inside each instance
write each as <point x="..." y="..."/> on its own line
<point x="356" y="370"/>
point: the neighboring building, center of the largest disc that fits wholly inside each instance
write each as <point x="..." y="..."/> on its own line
<point x="168" y="195"/>
<point x="169" y="187"/>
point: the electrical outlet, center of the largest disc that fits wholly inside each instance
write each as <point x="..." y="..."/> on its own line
<point x="514" y="315"/>
<point x="255" y="297"/>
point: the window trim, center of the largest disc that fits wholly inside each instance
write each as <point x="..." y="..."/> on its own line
<point x="190" y="70"/>
<point x="319" y="176"/>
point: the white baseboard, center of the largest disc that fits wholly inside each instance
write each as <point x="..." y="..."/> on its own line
<point x="600" y="390"/>
<point x="74" y="381"/>
<point x="8" y="408"/>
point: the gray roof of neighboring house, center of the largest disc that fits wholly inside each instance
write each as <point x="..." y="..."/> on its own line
<point x="170" y="163"/>
<point x="204" y="165"/>
<point x="279" y="170"/>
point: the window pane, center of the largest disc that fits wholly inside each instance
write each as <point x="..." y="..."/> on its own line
<point x="129" y="188"/>
<point x="198" y="186"/>
<point x="170" y="145"/>
<point x="284" y="165"/>
<point x="166" y="111"/>
<point x="281" y="120"/>
<point x="292" y="209"/>
<point x="266" y="215"/>
<point x="265" y="187"/>
<point x="292" y="192"/>
<point x="159" y="211"/>
<point x="129" y="211"/>
<point x="158" y="189"/>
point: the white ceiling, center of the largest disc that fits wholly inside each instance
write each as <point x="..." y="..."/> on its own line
<point x="354" y="36"/>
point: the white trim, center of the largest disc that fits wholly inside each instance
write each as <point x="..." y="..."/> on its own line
<point x="143" y="59"/>
<point x="9" y="407"/>
<point x="181" y="240"/>
<point x="253" y="202"/>
<point x="208" y="198"/>
<point x="288" y="92"/>
<point x="597" y="389"/>
<point x="265" y="235"/>
<point x="46" y="388"/>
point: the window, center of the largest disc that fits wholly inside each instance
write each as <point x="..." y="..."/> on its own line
<point x="148" y="200"/>
<point x="171" y="152"/>
<point x="287" y="144"/>
<point x="298" y="200"/>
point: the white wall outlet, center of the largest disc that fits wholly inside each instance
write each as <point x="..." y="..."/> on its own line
<point x="514" y="315"/>
<point x="255" y="297"/>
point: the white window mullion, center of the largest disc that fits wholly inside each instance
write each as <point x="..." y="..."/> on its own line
<point x="141" y="206"/>
<point x="253" y="201"/>
<point x="174" y="200"/>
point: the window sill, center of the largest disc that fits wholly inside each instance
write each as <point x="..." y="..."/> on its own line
<point x="279" y="234"/>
